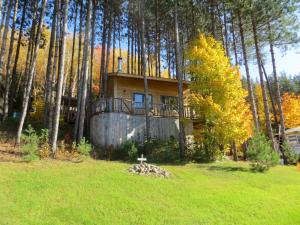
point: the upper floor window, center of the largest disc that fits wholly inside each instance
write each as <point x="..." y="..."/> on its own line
<point x="139" y="100"/>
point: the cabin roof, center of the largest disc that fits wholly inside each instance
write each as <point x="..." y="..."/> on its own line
<point x="293" y="130"/>
<point x="133" y="76"/>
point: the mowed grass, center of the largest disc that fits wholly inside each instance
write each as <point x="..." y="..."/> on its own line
<point x="100" y="192"/>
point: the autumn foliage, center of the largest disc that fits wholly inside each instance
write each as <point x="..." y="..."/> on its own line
<point x="217" y="94"/>
<point x="291" y="109"/>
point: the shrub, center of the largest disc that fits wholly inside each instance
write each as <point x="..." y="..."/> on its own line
<point x="162" y="152"/>
<point x="131" y="149"/>
<point x="208" y="150"/>
<point x="45" y="148"/>
<point x="84" y="148"/>
<point x="290" y="155"/>
<point x="31" y="144"/>
<point x="128" y="151"/>
<point x="261" y="153"/>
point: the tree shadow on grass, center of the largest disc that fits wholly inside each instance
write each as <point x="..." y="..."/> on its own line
<point x="229" y="168"/>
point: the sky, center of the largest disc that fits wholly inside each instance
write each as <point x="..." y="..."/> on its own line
<point x="288" y="63"/>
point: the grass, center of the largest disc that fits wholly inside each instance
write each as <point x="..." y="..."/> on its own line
<point x="100" y="192"/>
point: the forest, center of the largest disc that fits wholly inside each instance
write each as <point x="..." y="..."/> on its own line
<point x="55" y="52"/>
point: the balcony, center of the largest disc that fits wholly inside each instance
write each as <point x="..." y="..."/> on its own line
<point x="121" y="105"/>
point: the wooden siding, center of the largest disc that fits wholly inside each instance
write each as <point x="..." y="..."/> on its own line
<point x="124" y="86"/>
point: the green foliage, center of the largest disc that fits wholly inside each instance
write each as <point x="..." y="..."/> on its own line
<point x="84" y="147"/>
<point x="31" y="144"/>
<point x="128" y="152"/>
<point x="131" y="148"/>
<point x="289" y="153"/>
<point x="154" y="151"/>
<point x="162" y="152"/>
<point x="261" y="153"/>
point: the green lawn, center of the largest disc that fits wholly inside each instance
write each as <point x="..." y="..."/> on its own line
<point x="99" y="192"/>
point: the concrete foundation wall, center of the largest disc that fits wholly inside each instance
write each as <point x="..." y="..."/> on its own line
<point x="113" y="129"/>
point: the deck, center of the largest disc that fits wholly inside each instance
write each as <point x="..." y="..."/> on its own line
<point x="121" y="105"/>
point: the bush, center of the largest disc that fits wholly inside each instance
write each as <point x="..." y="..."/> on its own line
<point x="128" y="152"/>
<point x="290" y="155"/>
<point x="84" y="148"/>
<point x="45" y="148"/>
<point x="162" y="152"/>
<point x="208" y="150"/>
<point x="31" y="144"/>
<point x="131" y="148"/>
<point x="261" y="153"/>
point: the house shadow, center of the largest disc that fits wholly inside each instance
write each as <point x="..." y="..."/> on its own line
<point x="229" y="168"/>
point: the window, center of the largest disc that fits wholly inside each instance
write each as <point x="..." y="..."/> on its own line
<point x="292" y="138"/>
<point x="139" y="100"/>
<point x="169" y="102"/>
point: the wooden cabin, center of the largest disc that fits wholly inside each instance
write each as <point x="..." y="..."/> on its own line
<point x="293" y="137"/>
<point x="121" y="115"/>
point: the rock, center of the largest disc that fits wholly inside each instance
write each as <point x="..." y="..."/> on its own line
<point x="148" y="169"/>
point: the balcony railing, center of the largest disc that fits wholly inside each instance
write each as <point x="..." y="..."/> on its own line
<point x="130" y="107"/>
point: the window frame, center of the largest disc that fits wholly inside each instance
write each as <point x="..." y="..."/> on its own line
<point x="168" y="97"/>
<point x="143" y="98"/>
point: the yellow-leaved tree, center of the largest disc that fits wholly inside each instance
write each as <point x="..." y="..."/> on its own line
<point x="217" y="96"/>
<point x="291" y="110"/>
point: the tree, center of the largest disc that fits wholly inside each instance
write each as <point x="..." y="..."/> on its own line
<point x="179" y="70"/>
<point x="262" y="82"/>
<point x="61" y="67"/>
<point x="13" y="86"/>
<point x="31" y="74"/>
<point x="249" y="83"/>
<point x="48" y="80"/>
<point x="4" y="38"/>
<point x="8" y="66"/>
<point x="147" y="104"/>
<point x="291" y="110"/>
<point x="217" y="96"/>
<point x="85" y="74"/>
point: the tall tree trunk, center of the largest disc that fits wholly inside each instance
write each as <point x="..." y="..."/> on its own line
<point x="212" y="18"/>
<point x="61" y="71"/>
<point x="14" y="80"/>
<point x="264" y="92"/>
<point x="108" y="51"/>
<point x="54" y="71"/>
<point x="103" y="50"/>
<point x="277" y="86"/>
<point x="234" y="40"/>
<point x="79" y="81"/>
<point x="48" y="83"/>
<point x="31" y="74"/>
<point x="8" y="67"/>
<point x="225" y="31"/>
<point x="85" y="71"/>
<point x="3" y="15"/>
<point x="156" y="38"/>
<point x="72" y="80"/>
<point x="144" y="65"/>
<point x="249" y="83"/>
<point x="128" y="38"/>
<point x="31" y="46"/>
<point x="273" y="103"/>
<point x="4" y="38"/>
<point x="114" y="45"/>
<point x="180" y="86"/>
